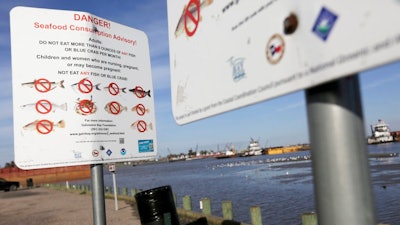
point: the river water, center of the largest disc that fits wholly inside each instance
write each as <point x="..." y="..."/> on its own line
<point x="283" y="190"/>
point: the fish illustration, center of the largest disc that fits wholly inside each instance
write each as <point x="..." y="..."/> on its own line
<point x="111" y="108"/>
<point x="33" y="125"/>
<point x="140" y="91"/>
<point x="85" y="107"/>
<point x="44" y="83"/>
<point x="134" y="108"/>
<point x="192" y="10"/>
<point x="135" y="124"/>
<point x="46" y="104"/>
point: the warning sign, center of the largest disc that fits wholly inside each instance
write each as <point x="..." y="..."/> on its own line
<point x="229" y="54"/>
<point x="93" y="120"/>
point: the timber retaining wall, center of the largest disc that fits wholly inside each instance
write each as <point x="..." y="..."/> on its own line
<point x="186" y="215"/>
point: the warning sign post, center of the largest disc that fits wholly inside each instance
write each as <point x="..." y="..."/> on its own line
<point x="76" y="73"/>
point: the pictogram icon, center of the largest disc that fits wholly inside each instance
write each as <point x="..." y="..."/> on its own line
<point x="43" y="106"/>
<point x="85" y="86"/>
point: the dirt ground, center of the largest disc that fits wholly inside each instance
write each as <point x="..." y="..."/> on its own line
<point x="39" y="206"/>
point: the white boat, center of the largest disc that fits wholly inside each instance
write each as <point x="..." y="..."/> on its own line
<point x="230" y="153"/>
<point x="253" y="148"/>
<point x="380" y="133"/>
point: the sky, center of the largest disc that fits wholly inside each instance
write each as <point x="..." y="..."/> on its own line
<point x="276" y="122"/>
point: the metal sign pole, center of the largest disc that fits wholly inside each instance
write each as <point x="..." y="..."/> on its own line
<point x="115" y="191"/>
<point x="339" y="156"/>
<point x="99" y="209"/>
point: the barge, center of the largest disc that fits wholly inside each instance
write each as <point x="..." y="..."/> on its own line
<point x="46" y="175"/>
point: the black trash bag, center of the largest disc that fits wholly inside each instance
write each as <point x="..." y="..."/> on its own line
<point x="157" y="206"/>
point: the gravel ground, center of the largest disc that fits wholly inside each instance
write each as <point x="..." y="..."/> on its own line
<point x="39" y="206"/>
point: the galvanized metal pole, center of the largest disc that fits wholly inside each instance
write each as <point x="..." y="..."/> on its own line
<point x="115" y="191"/>
<point x="99" y="208"/>
<point x="339" y="155"/>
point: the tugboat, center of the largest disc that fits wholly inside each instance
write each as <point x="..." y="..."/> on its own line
<point x="253" y="148"/>
<point x="380" y="133"/>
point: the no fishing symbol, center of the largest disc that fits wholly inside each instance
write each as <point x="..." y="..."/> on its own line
<point x="85" y="86"/>
<point x="114" y="108"/>
<point x="86" y="107"/>
<point x="42" y="85"/>
<point x="113" y="88"/>
<point x="140" y="109"/>
<point x="141" y="126"/>
<point x="43" y="106"/>
<point x="192" y="15"/>
<point x="139" y="92"/>
<point x="44" y="126"/>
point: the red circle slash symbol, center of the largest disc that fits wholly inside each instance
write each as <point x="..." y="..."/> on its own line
<point x="86" y="106"/>
<point x="44" y="126"/>
<point x="42" y="85"/>
<point x="192" y="13"/>
<point x="85" y="86"/>
<point x="141" y="126"/>
<point x="140" y="109"/>
<point x="113" y="88"/>
<point x="114" y="108"/>
<point x="43" y="106"/>
<point x="139" y="92"/>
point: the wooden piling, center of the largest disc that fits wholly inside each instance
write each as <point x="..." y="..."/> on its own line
<point x="255" y="214"/>
<point x="206" y="206"/>
<point x="187" y="202"/>
<point x="309" y="218"/>
<point x="227" y="212"/>
<point x="133" y="192"/>
<point x="125" y="191"/>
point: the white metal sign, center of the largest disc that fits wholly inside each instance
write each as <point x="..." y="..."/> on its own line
<point x="82" y="90"/>
<point x="111" y="167"/>
<point x="231" y="53"/>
